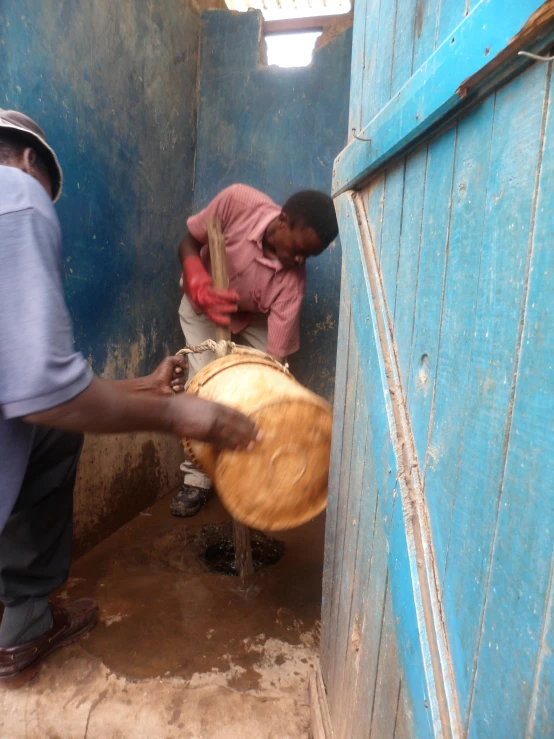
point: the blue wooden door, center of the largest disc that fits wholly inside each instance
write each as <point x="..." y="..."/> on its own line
<point x="437" y="611"/>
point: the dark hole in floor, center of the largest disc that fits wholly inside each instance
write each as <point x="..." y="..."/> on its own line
<point x="217" y="551"/>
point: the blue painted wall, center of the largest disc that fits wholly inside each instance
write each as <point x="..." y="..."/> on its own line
<point x="278" y="130"/>
<point x="114" y="87"/>
<point x="113" y="84"/>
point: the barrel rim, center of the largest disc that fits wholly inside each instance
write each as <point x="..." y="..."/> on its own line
<point x="220" y="364"/>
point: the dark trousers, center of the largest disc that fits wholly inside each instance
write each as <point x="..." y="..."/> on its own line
<point x="35" y="545"/>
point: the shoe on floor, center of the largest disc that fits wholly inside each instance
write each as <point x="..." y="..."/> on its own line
<point x="70" y="622"/>
<point x="189" y="501"/>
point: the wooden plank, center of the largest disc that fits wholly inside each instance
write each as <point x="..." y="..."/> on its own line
<point x="362" y="598"/>
<point x="319" y="710"/>
<point x="410" y="238"/>
<point x="410" y="541"/>
<point x="374" y="198"/>
<point x="343" y="495"/>
<point x="372" y="377"/>
<point x="508" y="208"/>
<point x="403" y="725"/>
<point x="361" y="9"/>
<point x="447" y="83"/>
<point x="350" y="493"/>
<point x="385" y="50"/>
<point x="358" y="500"/>
<point x="368" y="585"/>
<point x="403" y="43"/>
<point x="433" y="255"/>
<point x="519" y="580"/>
<point x="451" y="14"/>
<point x="350" y="545"/>
<point x="370" y="634"/>
<point x="540" y="721"/>
<point x="339" y="411"/>
<point x="388" y="680"/>
<point x="409" y="569"/>
<point x="413" y="632"/>
<point x="390" y="232"/>
<point x="371" y="62"/>
<point x="471" y="176"/>
<point x="373" y="202"/>
<point x="301" y="25"/>
<point x="374" y="548"/>
<point x="425" y="32"/>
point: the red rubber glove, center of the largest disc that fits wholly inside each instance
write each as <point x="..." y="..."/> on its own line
<point x="217" y="304"/>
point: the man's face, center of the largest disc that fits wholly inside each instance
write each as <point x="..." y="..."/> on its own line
<point x="293" y="246"/>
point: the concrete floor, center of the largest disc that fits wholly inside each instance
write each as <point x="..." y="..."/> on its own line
<point x="180" y="652"/>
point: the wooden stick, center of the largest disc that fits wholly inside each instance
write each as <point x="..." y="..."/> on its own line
<point x="220" y="277"/>
<point x="243" y="549"/>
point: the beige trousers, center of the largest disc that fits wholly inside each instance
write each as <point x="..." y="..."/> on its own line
<point x="197" y="328"/>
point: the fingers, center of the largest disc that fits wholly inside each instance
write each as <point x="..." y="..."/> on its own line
<point x="219" y="319"/>
<point x="237" y="431"/>
<point x="179" y="363"/>
<point x="223" y="300"/>
<point x="259" y="437"/>
<point x="223" y="307"/>
<point x="177" y="384"/>
<point x="226" y="296"/>
<point x="194" y="418"/>
<point x="177" y="367"/>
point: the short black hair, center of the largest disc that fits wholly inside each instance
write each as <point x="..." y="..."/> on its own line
<point x="313" y="209"/>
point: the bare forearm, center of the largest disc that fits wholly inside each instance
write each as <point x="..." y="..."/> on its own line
<point x="189" y="247"/>
<point x="136" y="385"/>
<point x="106" y="406"/>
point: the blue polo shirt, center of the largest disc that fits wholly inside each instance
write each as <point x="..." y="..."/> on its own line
<point x="39" y="367"/>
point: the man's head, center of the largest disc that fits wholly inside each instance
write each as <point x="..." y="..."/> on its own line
<point x="23" y="145"/>
<point x="305" y="227"/>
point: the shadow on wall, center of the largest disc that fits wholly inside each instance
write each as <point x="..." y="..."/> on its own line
<point x="278" y="130"/>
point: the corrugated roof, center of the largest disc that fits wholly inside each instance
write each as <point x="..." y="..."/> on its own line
<point x="274" y="9"/>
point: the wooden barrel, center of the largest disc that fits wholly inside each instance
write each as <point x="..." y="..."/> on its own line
<point x="283" y="481"/>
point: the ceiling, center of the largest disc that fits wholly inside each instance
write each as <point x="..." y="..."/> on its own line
<point x="277" y="9"/>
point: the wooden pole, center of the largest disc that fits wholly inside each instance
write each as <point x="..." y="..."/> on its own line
<point x="241" y="533"/>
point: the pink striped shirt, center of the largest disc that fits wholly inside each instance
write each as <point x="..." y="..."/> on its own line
<point x="263" y="285"/>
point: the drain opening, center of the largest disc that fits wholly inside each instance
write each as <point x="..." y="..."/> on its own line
<point x="217" y="551"/>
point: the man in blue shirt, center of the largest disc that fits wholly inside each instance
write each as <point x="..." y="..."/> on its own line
<point x="48" y="398"/>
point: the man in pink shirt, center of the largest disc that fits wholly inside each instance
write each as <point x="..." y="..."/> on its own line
<point x="267" y="247"/>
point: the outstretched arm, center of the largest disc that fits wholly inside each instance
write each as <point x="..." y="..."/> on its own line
<point x="105" y="408"/>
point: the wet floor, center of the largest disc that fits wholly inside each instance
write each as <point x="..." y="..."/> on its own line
<point x="164" y="614"/>
<point x="180" y="652"/>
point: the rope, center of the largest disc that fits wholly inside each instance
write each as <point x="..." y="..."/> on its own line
<point x="219" y="348"/>
<point x="223" y="348"/>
